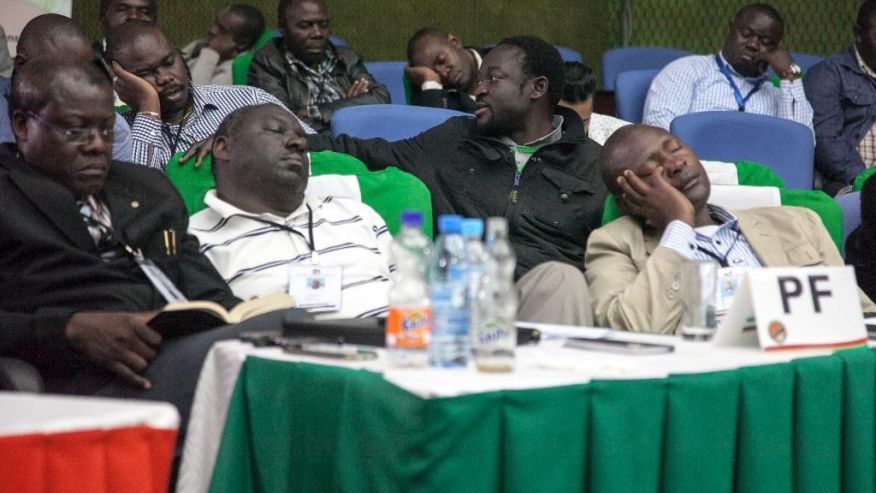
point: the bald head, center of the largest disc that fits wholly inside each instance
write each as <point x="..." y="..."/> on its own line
<point x="621" y="151"/>
<point x="34" y="85"/>
<point x="52" y="35"/>
<point x="646" y="152"/>
<point x="136" y="36"/>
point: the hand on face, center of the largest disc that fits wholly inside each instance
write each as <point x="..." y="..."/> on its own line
<point x="223" y="44"/>
<point x="118" y="341"/>
<point x="135" y="91"/>
<point x="420" y="74"/>
<point x="779" y="59"/>
<point x="654" y="198"/>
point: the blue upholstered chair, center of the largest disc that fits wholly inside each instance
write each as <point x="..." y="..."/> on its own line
<point x="630" y="90"/>
<point x="619" y="60"/>
<point x="389" y="121"/>
<point x="851" y="206"/>
<point x="786" y="147"/>
<point x="338" y="41"/>
<point x="806" y="61"/>
<point x="391" y="74"/>
<point x="568" y="54"/>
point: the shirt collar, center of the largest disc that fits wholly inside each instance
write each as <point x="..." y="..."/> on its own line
<point x="477" y="56"/>
<point x="226" y="210"/>
<point x="554" y="135"/>
<point x="200" y="104"/>
<point x="734" y="73"/>
<point x="327" y="60"/>
<point x="722" y="216"/>
<point x="869" y="72"/>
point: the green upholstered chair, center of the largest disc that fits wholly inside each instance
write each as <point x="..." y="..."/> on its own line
<point x="388" y="191"/>
<point x="240" y="64"/>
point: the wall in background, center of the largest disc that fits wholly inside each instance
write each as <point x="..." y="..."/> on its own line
<point x="379" y="29"/>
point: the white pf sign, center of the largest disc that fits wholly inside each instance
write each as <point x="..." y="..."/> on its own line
<point x="795" y="308"/>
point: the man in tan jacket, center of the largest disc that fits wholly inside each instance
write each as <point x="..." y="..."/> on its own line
<point x="632" y="264"/>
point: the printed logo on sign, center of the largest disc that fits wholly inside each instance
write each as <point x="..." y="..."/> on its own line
<point x="777" y="331"/>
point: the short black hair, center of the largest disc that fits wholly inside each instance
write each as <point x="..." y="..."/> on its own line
<point x="540" y="58"/>
<point x="41" y="32"/>
<point x="104" y="6"/>
<point x="580" y="82"/>
<point x="765" y="9"/>
<point x="285" y="4"/>
<point x="133" y="30"/>
<point x="866" y="13"/>
<point x="253" y="24"/>
<point x="33" y="85"/>
<point x="428" y="31"/>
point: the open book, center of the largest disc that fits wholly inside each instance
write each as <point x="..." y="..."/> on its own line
<point x="177" y="319"/>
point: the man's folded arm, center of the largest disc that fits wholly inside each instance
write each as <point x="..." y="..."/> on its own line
<point x="42" y="330"/>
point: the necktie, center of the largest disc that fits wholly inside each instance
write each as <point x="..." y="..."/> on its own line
<point x="97" y="220"/>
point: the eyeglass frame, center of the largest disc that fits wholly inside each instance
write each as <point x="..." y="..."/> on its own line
<point x="77" y="135"/>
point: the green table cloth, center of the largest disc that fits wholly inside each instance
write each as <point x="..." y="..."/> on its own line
<point x="802" y="426"/>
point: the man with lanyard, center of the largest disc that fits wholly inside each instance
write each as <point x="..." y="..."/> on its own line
<point x="522" y="157"/>
<point x="92" y="249"/>
<point x="313" y="77"/>
<point x="265" y="234"/>
<point x="442" y="71"/>
<point x="633" y="263"/>
<point x="168" y="113"/>
<point x="736" y="78"/>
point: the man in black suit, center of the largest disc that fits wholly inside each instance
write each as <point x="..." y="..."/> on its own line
<point x="75" y="232"/>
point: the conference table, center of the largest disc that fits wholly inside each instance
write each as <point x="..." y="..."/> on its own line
<point x="59" y="444"/>
<point x="701" y="419"/>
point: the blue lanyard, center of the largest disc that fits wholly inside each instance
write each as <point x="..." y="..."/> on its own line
<point x="740" y="101"/>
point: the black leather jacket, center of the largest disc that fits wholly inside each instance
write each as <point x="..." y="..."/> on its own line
<point x="561" y="189"/>
<point x="269" y="71"/>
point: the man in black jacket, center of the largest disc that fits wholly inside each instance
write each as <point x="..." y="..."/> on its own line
<point x="442" y="71"/>
<point x="309" y="74"/>
<point x="75" y="232"/>
<point x="521" y="157"/>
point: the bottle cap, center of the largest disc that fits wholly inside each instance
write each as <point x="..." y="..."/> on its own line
<point x="472" y="228"/>
<point x="411" y="217"/>
<point x="497" y="225"/>
<point x="449" y="224"/>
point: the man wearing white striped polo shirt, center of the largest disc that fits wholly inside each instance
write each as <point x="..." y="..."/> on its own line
<point x="265" y="235"/>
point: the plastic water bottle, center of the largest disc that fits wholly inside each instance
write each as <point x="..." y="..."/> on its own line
<point x="448" y="286"/>
<point x="472" y="232"/>
<point x="409" y="326"/>
<point x="494" y="338"/>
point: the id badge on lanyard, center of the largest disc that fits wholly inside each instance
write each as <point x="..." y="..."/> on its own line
<point x="316" y="287"/>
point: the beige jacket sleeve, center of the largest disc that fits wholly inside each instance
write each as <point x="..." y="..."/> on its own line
<point x="816" y="235"/>
<point x="631" y="290"/>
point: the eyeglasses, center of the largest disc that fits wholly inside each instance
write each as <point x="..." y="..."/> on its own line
<point x="77" y="135"/>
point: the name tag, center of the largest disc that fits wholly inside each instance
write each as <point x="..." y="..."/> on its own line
<point x="795" y="308"/>
<point x="316" y="288"/>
